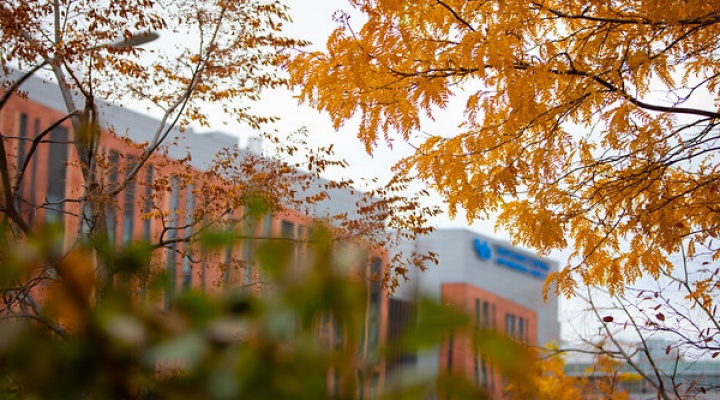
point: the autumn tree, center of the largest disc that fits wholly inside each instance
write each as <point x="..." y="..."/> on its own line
<point x="662" y="333"/>
<point x="89" y="48"/>
<point x="214" y="53"/>
<point x="589" y="125"/>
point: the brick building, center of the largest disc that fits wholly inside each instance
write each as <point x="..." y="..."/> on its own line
<point x="498" y="285"/>
<point x="161" y="204"/>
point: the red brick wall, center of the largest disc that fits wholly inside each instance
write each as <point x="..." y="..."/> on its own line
<point x="457" y="353"/>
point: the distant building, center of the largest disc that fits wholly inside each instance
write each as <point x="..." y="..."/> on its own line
<point x="496" y="283"/>
<point x="52" y="184"/>
<point x="680" y="377"/>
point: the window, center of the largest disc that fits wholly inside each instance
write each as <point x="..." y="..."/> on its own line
<point x="129" y="204"/>
<point x="248" y="249"/>
<point x="287" y="229"/>
<point x="189" y="221"/>
<point x="484" y="371"/>
<point x="510" y="327"/>
<point x="482" y="314"/>
<point x="375" y="293"/>
<point x="32" y="196"/>
<point x="113" y="178"/>
<point x="524" y="330"/>
<point x="521" y="328"/>
<point x="267" y="231"/>
<point x="172" y="234"/>
<point x="147" y="223"/>
<point x="22" y="134"/>
<point x="57" y="171"/>
<point x="228" y="256"/>
<point x="228" y="260"/>
<point x="401" y="317"/>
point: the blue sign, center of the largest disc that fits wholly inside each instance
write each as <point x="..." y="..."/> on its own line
<point x="510" y="259"/>
<point x="483" y="249"/>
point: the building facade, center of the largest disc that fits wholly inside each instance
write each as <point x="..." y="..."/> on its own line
<point x="497" y="284"/>
<point x="166" y="203"/>
<point x="657" y="372"/>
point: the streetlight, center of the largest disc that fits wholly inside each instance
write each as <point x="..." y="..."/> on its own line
<point x="137" y="39"/>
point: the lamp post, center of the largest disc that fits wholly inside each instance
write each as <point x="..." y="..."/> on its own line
<point x="137" y="39"/>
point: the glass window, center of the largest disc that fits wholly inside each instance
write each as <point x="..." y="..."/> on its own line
<point x="521" y="328"/>
<point x="228" y="267"/>
<point x="172" y="234"/>
<point x="376" y="276"/>
<point x="189" y="223"/>
<point x="147" y="223"/>
<point x="287" y="229"/>
<point x="248" y="249"/>
<point x="128" y="220"/>
<point x="32" y="198"/>
<point x="228" y="251"/>
<point x="57" y="172"/>
<point x="23" y="135"/>
<point x="113" y="180"/>
<point x="510" y="327"/>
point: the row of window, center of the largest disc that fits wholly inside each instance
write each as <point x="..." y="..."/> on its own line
<point x="120" y="219"/>
<point x="485" y="317"/>
<point x="57" y="145"/>
<point x="517" y="327"/>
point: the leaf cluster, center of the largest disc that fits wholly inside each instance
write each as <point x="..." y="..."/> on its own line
<point x="589" y="125"/>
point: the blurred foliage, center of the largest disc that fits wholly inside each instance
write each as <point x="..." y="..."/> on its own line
<point x="549" y="381"/>
<point x="298" y="339"/>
